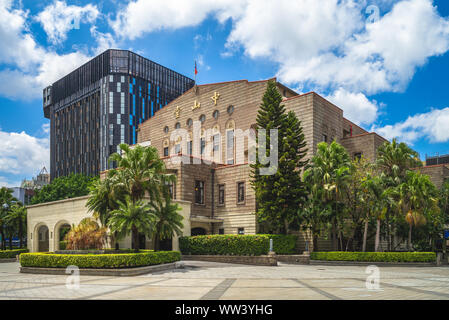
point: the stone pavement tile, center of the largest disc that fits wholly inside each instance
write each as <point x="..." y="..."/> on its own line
<point x="181" y="283"/>
<point x="157" y="293"/>
<point x="266" y="283"/>
<point x="271" y="294"/>
<point x="334" y="283"/>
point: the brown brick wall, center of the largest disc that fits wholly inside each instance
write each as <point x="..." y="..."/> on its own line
<point x="437" y="173"/>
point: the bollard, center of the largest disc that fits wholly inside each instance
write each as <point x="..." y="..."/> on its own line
<point x="271" y="245"/>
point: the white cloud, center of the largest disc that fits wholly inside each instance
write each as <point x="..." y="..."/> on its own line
<point x="31" y="67"/>
<point x="58" y="19"/>
<point x="326" y="45"/>
<point x="22" y="153"/>
<point x="432" y="126"/>
<point x="356" y="106"/>
<point x="141" y="16"/>
<point x="5" y="182"/>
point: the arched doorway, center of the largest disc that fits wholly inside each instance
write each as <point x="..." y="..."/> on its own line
<point x="43" y="240"/>
<point x="61" y="229"/>
<point x="198" y="232"/>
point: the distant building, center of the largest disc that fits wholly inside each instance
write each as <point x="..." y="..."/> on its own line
<point x="42" y="179"/>
<point x="101" y="104"/>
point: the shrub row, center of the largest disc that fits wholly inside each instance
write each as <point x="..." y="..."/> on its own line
<point x="98" y="261"/>
<point x="375" y="256"/>
<point x="239" y="245"/>
<point x="10" y="254"/>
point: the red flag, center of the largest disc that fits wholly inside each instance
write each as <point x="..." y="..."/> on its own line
<point x="196" y="70"/>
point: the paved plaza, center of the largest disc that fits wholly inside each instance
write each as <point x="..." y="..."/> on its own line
<point x="211" y="281"/>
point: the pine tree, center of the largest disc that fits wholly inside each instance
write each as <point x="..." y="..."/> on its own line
<point x="279" y="196"/>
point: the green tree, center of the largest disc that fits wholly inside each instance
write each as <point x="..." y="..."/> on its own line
<point x="140" y="173"/>
<point x="132" y="217"/>
<point x="394" y="160"/>
<point x="6" y="202"/>
<point x="71" y="186"/>
<point x="418" y="201"/>
<point x="279" y="195"/>
<point x="17" y="220"/>
<point x="330" y="171"/>
<point x="167" y="220"/>
<point x="104" y="198"/>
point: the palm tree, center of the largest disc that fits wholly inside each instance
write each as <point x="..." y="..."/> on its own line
<point x="6" y="201"/>
<point x="417" y="199"/>
<point x="394" y="160"/>
<point x="16" y="219"/>
<point x="103" y="199"/>
<point x="167" y="220"/>
<point x="131" y="217"/>
<point x="329" y="170"/>
<point x="375" y="197"/>
<point x="140" y="171"/>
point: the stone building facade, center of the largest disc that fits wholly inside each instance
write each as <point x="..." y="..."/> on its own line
<point x="197" y="136"/>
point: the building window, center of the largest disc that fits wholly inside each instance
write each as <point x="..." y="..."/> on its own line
<point x="241" y="231"/>
<point x="189" y="147"/>
<point x="240" y="192"/>
<point x="221" y="194"/>
<point x="172" y="190"/>
<point x="358" y="155"/>
<point x="166" y="152"/>
<point x="221" y="231"/>
<point x="230" y="109"/>
<point x="202" y="118"/>
<point x="199" y="192"/>
<point x="166" y="129"/>
<point x="216" y="140"/>
<point x="324" y="137"/>
<point x="230" y="147"/>
<point x="177" y="125"/>
<point x="189" y="122"/>
<point x="203" y="145"/>
<point x="216" y="114"/>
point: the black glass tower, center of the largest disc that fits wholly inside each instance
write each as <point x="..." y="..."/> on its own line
<point x="101" y="104"/>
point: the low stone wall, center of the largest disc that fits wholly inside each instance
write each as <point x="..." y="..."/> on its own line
<point x="126" y="272"/>
<point x="8" y="260"/>
<point x="365" y="263"/>
<point x="294" y="259"/>
<point x="251" y="260"/>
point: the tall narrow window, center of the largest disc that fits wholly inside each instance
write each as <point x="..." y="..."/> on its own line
<point x="230" y="147"/>
<point x="199" y="192"/>
<point x="166" y="152"/>
<point x="203" y="145"/>
<point x="189" y="147"/>
<point x="221" y="194"/>
<point x="324" y="137"/>
<point x="241" y="192"/>
<point x="216" y="140"/>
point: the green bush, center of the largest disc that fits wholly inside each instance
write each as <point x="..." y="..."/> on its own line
<point x="10" y="254"/>
<point x="62" y="245"/>
<point x="239" y="245"/>
<point x="375" y="256"/>
<point x="98" y="261"/>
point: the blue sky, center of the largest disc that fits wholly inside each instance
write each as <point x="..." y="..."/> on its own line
<point x="384" y="62"/>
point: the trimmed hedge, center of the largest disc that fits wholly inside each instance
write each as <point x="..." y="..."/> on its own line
<point x="375" y="256"/>
<point x="10" y="254"/>
<point x="99" y="261"/>
<point x="239" y="245"/>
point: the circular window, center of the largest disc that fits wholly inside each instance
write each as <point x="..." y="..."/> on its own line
<point x="189" y="122"/>
<point x="230" y="109"/>
<point x="202" y="118"/>
<point x="166" y="129"/>
<point x="177" y="125"/>
<point x="216" y="114"/>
